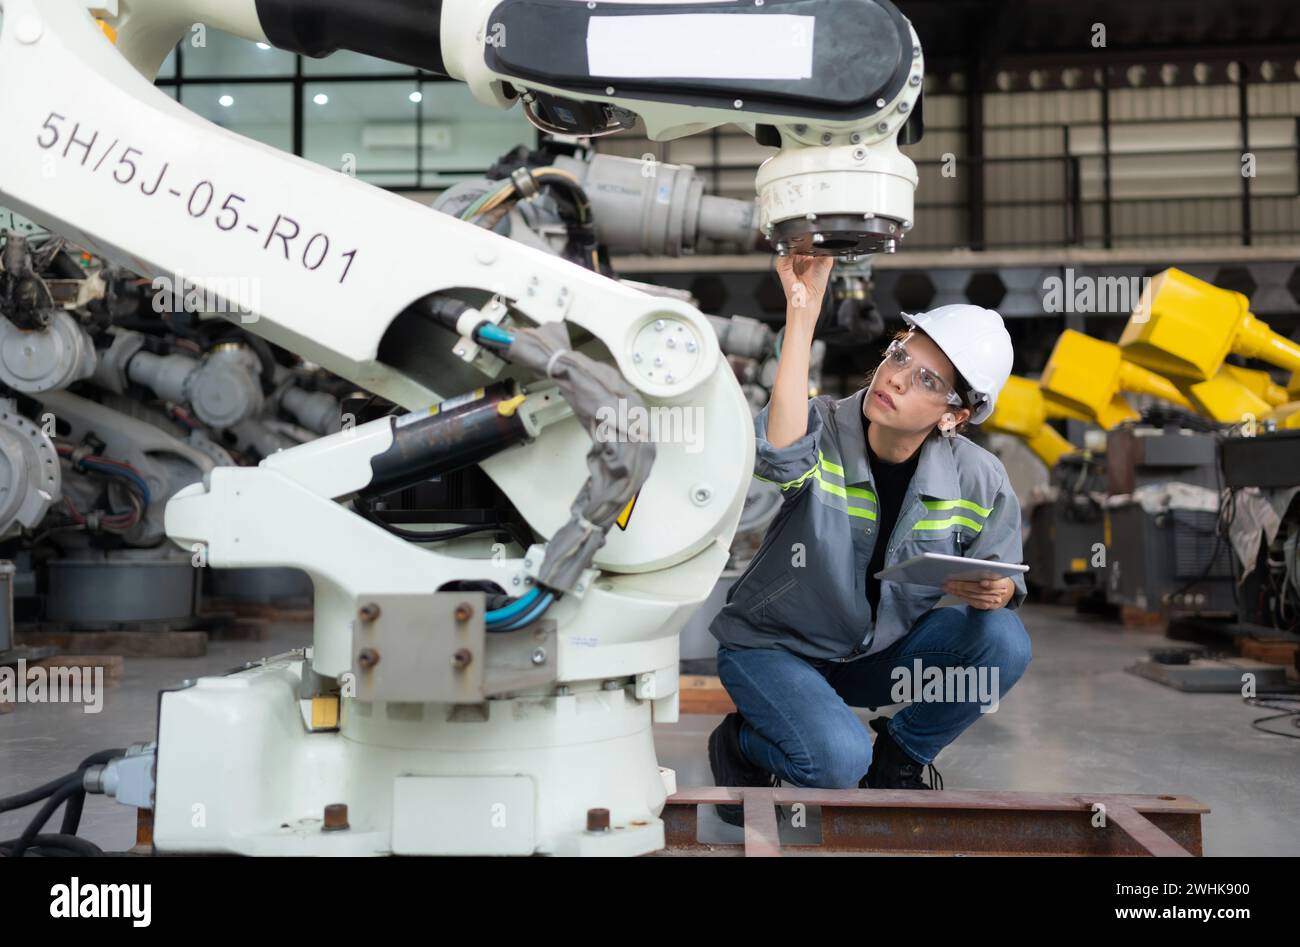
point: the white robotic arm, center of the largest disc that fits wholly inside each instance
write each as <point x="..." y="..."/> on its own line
<point x="836" y="84"/>
<point x="329" y="267"/>
<point x="346" y="275"/>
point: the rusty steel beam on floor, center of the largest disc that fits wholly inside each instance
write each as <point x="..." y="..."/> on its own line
<point x="894" y="821"/>
<point x="1142" y="830"/>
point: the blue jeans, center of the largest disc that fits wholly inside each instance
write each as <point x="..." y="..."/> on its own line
<point x="797" y="718"/>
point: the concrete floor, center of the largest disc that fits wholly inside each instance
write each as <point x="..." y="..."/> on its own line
<point x="1075" y="722"/>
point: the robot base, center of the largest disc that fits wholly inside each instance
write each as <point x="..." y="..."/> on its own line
<point x="240" y="770"/>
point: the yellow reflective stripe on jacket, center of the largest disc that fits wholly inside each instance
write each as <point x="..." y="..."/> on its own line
<point x="949" y="522"/>
<point x="830" y="465"/>
<point x="789" y="483"/>
<point x="951" y="504"/>
<point x="841" y="490"/>
<point x="831" y="487"/>
<point x="845" y="492"/>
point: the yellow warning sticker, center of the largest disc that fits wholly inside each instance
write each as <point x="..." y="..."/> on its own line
<point x="627" y="512"/>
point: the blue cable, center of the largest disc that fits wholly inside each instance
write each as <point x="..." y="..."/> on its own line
<point x="508" y="612"/>
<point x="532" y="616"/>
<point x="495" y="333"/>
<point x="536" y="612"/>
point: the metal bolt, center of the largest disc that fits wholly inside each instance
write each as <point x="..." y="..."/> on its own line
<point x="915" y="80"/>
<point x="539" y="655"/>
<point x="810" y="217"/>
<point x="609" y="90"/>
<point x="336" y="817"/>
<point x="739" y="103"/>
<point x="855" y="137"/>
<point x="903" y="107"/>
<point x="369" y="612"/>
<point x="859" y="154"/>
<point x="659" y="325"/>
<point x="916" y="51"/>
<point x="659" y="360"/>
<point x="462" y="658"/>
<point x="636" y="357"/>
<point x="672" y="343"/>
<point x="368" y="658"/>
<point x="880" y="103"/>
<point x="464" y="611"/>
<point x="819" y="238"/>
<point x="597" y="820"/>
<point x="827" y="138"/>
<point x="691" y="346"/>
<point x="800" y="129"/>
<point x="528" y="563"/>
<point x="882" y="127"/>
<point x="669" y="378"/>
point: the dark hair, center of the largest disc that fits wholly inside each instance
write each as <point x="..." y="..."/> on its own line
<point x="959" y="383"/>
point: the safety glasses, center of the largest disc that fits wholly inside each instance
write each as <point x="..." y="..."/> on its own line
<point x="924" y="380"/>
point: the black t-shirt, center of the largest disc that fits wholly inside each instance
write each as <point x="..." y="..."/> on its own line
<point x="891" y="486"/>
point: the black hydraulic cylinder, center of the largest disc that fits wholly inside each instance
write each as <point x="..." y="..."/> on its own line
<point x="453" y="434"/>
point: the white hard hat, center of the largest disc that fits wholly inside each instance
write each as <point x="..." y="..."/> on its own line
<point x="977" y="343"/>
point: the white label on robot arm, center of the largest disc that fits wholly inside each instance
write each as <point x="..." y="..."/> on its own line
<point x="701" y="46"/>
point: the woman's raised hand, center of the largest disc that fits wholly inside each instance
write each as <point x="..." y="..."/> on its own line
<point x="804" y="280"/>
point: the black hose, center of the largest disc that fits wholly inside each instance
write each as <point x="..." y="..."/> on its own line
<point x="446" y="311"/>
<point x="67" y="787"/>
<point x="34" y="827"/>
<point x="72" y="813"/>
<point x="24" y="799"/>
<point x="55" y="846"/>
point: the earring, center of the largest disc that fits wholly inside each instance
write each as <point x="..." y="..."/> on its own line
<point x="948" y="426"/>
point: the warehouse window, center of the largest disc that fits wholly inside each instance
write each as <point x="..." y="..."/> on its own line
<point x="400" y="128"/>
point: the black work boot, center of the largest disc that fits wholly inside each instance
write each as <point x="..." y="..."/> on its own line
<point x="891" y="768"/>
<point x="732" y="768"/>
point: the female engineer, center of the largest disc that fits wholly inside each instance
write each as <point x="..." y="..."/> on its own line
<point x="868" y="481"/>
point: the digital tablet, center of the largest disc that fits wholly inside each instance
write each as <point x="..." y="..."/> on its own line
<point x="934" y="569"/>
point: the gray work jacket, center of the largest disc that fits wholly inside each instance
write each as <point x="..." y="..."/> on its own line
<point x="805" y="589"/>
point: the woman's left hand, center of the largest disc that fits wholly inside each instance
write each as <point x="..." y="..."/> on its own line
<point x="982" y="593"/>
